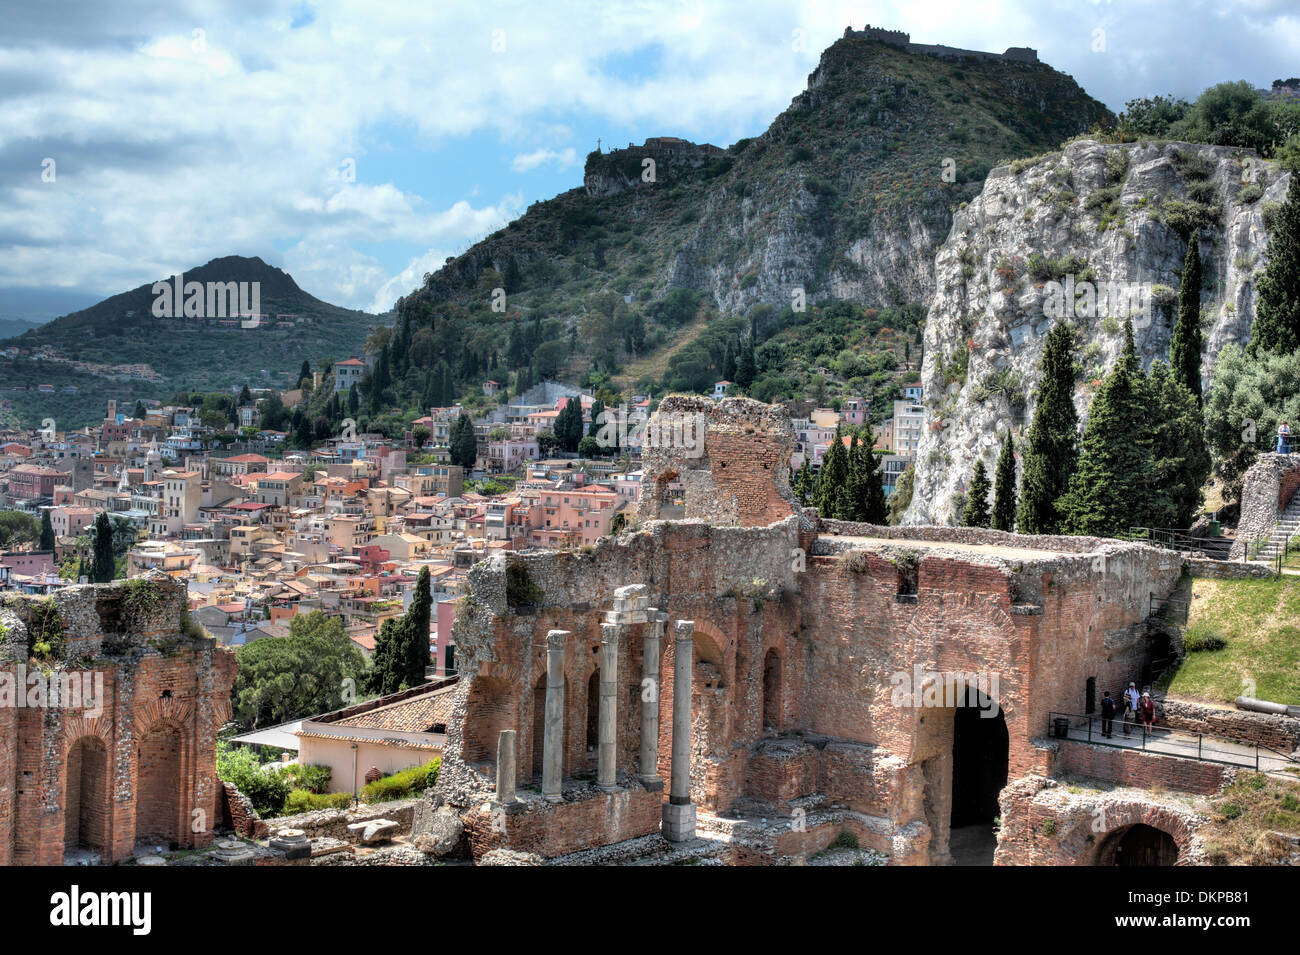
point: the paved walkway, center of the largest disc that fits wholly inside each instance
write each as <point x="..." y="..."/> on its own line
<point x="1169" y="742"/>
<point x="996" y="550"/>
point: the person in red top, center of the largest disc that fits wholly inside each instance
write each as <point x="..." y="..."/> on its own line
<point x="1147" y="710"/>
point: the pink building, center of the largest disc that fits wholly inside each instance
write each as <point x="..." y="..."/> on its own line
<point x="444" y="653"/>
<point x="572" y="516"/>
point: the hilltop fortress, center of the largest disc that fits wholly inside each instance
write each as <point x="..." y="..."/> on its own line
<point x="1014" y="54"/>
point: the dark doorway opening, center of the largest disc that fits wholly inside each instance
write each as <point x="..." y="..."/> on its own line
<point x="1090" y="695"/>
<point x="1140" y="845"/>
<point x="593" y="714"/>
<point x="772" y="691"/>
<point x="980" y="747"/>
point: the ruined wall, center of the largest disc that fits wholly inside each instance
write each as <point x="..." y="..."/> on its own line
<point x="731" y="457"/>
<point x="1266" y="490"/>
<point x="154" y="700"/>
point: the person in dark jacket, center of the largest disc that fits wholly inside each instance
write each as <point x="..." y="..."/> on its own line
<point x="1107" y="715"/>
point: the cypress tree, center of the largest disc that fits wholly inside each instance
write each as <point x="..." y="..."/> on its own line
<point x="47" y="531"/>
<point x="305" y="373"/>
<point x="597" y="409"/>
<point x="1052" y="451"/>
<point x="1185" y="346"/>
<point x="1277" y="310"/>
<point x="745" y="367"/>
<point x="384" y="672"/>
<point x="1003" y="517"/>
<point x="976" y="512"/>
<point x="1110" y="490"/>
<point x="103" y="567"/>
<point x="804" y="483"/>
<point x="416" y="625"/>
<point x="832" y="484"/>
<point x="463" y="444"/>
<point x="868" y="485"/>
<point x="1181" y="456"/>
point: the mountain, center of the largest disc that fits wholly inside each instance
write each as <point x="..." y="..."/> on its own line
<point x="13" y="327"/>
<point x="1116" y="217"/>
<point x="119" y="348"/>
<point x="845" y="197"/>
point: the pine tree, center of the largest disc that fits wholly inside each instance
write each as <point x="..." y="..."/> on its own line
<point x="385" y="673"/>
<point x="139" y="411"/>
<point x="305" y="373"/>
<point x="832" y="484"/>
<point x="1277" y="309"/>
<point x="245" y="396"/>
<point x="512" y="281"/>
<point x="1110" y="490"/>
<point x="47" y="531"/>
<point x="103" y="567"/>
<point x="976" y="512"/>
<point x="597" y="409"/>
<point x="1052" y="451"/>
<point x="416" y="624"/>
<point x="1003" y="517"/>
<point x="1185" y="346"/>
<point x="354" y="400"/>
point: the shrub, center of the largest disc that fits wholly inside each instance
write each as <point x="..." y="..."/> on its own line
<point x="1201" y="637"/>
<point x="313" y="779"/>
<point x="266" y="789"/>
<point x="399" y="785"/>
<point x="303" y="800"/>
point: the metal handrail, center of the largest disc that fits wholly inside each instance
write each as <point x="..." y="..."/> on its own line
<point x="1201" y="749"/>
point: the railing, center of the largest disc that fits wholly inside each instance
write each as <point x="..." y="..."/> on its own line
<point x="1087" y="728"/>
<point x="1182" y="540"/>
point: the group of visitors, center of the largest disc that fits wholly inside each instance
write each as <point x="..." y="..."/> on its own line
<point x="1135" y="707"/>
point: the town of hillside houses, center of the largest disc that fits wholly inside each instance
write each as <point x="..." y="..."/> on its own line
<point x="259" y="532"/>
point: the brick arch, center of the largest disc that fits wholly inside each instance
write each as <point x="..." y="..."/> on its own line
<point x="1120" y="818"/>
<point x="179" y="713"/>
<point x="75" y="727"/>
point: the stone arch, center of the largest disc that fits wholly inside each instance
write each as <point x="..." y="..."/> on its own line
<point x="489" y="709"/>
<point x="87" y="809"/>
<point x="160" y="771"/>
<point x="1138" y="844"/>
<point x="1128" y="815"/>
<point x="773" y="699"/>
<point x="709" y="673"/>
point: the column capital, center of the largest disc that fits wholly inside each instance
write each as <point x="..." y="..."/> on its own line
<point x="683" y="629"/>
<point x="612" y="632"/>
<point x="556" y="639"/>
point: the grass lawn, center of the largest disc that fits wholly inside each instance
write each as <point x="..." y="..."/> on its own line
<point x="1258" y="621"/>
<point x="1245" y="813"/>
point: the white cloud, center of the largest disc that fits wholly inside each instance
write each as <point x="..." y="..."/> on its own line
<point x="526" y="162"/>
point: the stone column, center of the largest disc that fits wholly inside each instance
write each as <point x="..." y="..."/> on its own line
<point x="611" y="634"/>
<point x="679" y="811"/>
<point x="553" y="751"/>
<point x="649" y="768"/>
<point x="506" y="767"/>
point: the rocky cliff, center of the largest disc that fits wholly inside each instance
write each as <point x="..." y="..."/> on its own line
<point x="1102" y="228"/>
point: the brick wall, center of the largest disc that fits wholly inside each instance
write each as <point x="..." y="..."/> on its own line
<point x="555" y="829"/>
<point x="1277" y="732"/>
<point x="1133" y="767"/>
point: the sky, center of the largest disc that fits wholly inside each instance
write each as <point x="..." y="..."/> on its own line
<point x="357" y="145"/>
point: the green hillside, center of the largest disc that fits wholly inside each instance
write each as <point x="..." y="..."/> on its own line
<point x="174" y="354"/>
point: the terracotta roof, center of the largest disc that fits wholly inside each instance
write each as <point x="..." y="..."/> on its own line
<point x="416" y="715"/>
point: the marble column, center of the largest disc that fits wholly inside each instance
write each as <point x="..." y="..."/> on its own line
<point x="506" y="767"/>
<point x="553" y="749"/>
<point x="650" y="684"/>
<point x="679" y="811"/>
<point x="611" y="635"/>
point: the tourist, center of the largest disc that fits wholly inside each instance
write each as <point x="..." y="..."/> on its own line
<point x="1284" y="438"/>
<point x="1131" y="700"/>
<point x="1107" y="715"/>
<point x="1147" y="707"/>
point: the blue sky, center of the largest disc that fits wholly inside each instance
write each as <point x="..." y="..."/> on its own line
<point x="184" y="131"/>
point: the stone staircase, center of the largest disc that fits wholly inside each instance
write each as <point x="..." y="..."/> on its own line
<point x="1287" y="525"/>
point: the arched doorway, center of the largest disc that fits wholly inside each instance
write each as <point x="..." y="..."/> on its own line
<point x="1140" y="845"/>
<point x="980" y="747"/>
<point x="85" y="796"/>
<point x="158" y="799"/>
<point x="772" y="691"/>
